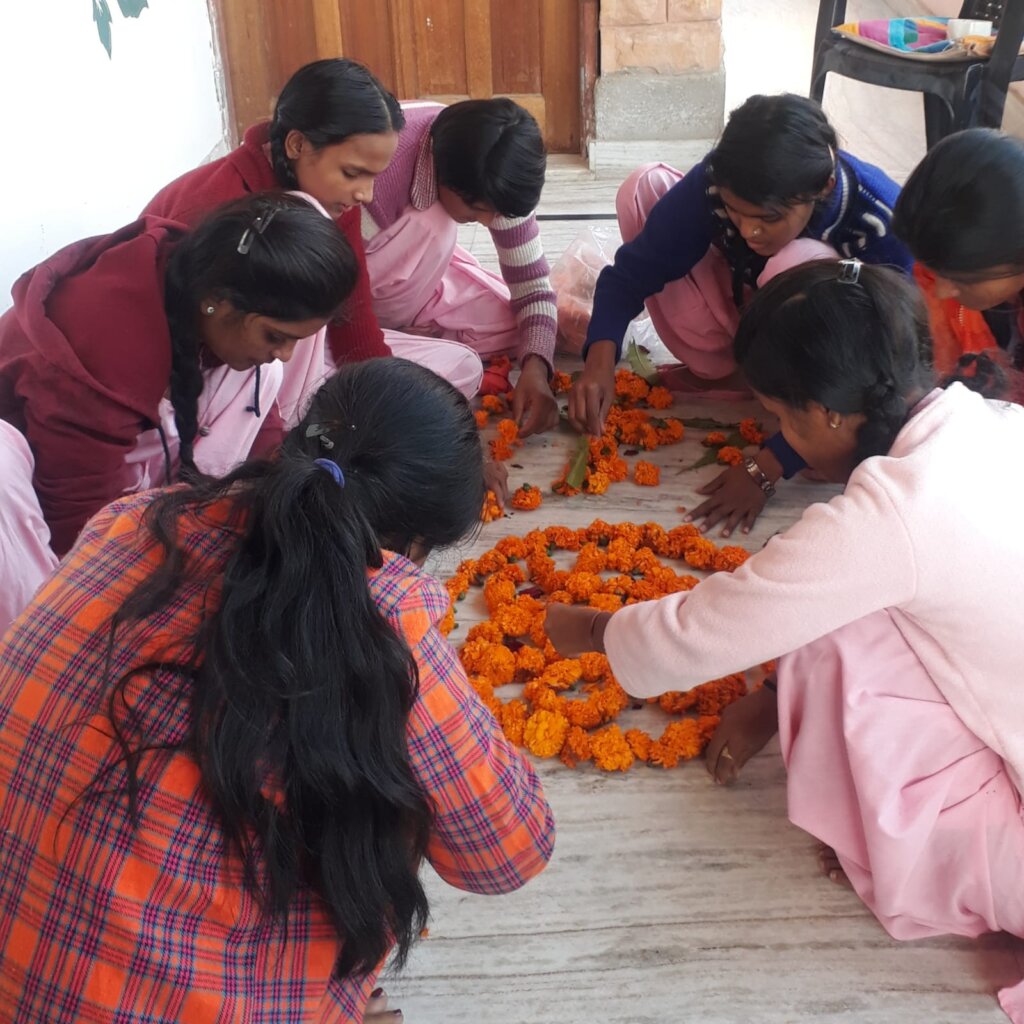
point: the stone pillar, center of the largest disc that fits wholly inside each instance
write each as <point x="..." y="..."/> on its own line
<point x="661" y="89"/>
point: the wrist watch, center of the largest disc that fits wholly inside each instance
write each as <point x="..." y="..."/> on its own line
<point x="758" y="476"/>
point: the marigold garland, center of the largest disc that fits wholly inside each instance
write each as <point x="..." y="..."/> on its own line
<point x="730" y="456"/>
<point x="568" y="706"/>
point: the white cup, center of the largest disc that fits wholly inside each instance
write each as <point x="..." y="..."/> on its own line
<point x="960" y="28"/>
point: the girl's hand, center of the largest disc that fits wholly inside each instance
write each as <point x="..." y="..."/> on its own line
<point x="377" y="1011"/>
<point x="593" y="393"/>
<point x="575" y="630"/>
<point x="496" y="479"/>
<point x="746" y="726"/>
<point x="533" y="403"/>
<point x="734" y="497"/>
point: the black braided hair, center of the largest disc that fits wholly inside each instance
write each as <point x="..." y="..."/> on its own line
<point x="490" y="151"/>
<point x="300" y="267"/>
<point x="328" y="101"/>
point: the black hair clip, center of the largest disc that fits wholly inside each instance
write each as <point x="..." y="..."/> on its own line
<point x="849" y="271"/>
<point x="320" y="430"/>
<point x="258" y="226"/>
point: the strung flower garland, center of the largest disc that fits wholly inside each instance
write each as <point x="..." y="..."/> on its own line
<point x="568" y="706"/>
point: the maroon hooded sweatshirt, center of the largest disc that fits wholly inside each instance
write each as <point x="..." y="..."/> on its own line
<point x="85" y="358"/>
<point x="356" y="335"/>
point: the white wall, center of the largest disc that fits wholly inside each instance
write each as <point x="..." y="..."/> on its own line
<point x="87" y="140"/>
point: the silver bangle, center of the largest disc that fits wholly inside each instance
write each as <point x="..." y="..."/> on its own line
<point x="757" y="474"/>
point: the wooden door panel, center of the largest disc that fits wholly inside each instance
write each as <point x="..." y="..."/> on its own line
<point x="447" y="50"/>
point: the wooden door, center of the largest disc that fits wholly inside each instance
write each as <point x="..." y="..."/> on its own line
<point x="447" y="50"/>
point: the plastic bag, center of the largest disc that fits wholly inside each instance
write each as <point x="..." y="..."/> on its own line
<point x="574" y="279"/>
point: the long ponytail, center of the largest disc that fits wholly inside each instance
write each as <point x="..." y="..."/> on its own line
<point x="300" y="689"/>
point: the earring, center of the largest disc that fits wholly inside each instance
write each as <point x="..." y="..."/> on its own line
<point x="210" y="310"/>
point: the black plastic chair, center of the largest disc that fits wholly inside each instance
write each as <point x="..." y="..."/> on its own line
<point x="957" y="94"/>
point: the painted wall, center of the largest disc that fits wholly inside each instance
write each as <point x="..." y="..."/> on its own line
<point x="87" y="140"/>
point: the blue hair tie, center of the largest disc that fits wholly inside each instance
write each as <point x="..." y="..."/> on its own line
<point x="333" y="468"/>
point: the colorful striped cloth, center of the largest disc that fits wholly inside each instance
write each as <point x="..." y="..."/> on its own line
<point x="904" y="35"/>
<point x="106" y="924"/>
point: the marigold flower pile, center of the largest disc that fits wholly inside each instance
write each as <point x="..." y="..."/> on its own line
<point x="629" y="424"/>
<point x="568" y="707"/>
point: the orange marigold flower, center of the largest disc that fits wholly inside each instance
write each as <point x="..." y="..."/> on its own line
<point x="600" y="532"/>
<point x="483" y="687"/>
<point x="751" y="432"/>
<point x="560" y="597"/>
<point x="659" y="398"/>
<point x="675" y="702"/>
<point x="586" y="714"/>
<point x="561" y="675"/>
<point x="498" y="590"/>
<point x="646" y="474"/>
<point x="680" y="741"/>
<point x="490" y="561"/>
<point x="512" y="572"/>
<point x="545" y="733"/>
<point x="630" y="386"/>
<point x="729" y="558"/>
<point x="583" y="585"/>
<point x="578" y="743"/>
<point x="513" y="721"/>
<point x="491" y="509"/>
<point x="605" y="602"/>
<point x="492" y="403"/>
<point x="487" y="631"/>
<point x="593" y="666"/>
<point x="616" y="469"/>
<point x="706" y="726"/>
<point x="591" y="559"/>
<point x="730" y="456"/>
<point x="655" y="537"/>
<point x="640" y="743"/>
<point x="612" y="699"/>
<point x="714" y="439"/>
<point x="481" y="416"/>
<point x="678" y="538"/>
<point x="644" y="590"/>
<point x="514" y="620"/>
<point x="620" y="555"/>
<point x="563" y="537"/>
<point x="500" y="450"/>
<point x="529" y="661"/>
<point x="596" y="482"/>
<point x="671" y="432"/>
<point x="513" y="548"/>
<point x="699" y="552"/>
<point x="610" y="750"/>
<point x="644" y="560"/>
<point x="526" y="498"/>
<point x="508" y="431"/>
<point x="620" y="585"/>
<point x="447" y="624"/>
<point x="561" y="382"/>
<point x="712" y="697"/>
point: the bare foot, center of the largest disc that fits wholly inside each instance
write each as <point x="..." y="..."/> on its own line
<point x="830" y="866"/>
<point x="377" y="1011"/>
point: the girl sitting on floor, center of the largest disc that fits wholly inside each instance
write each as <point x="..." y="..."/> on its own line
<point x="131" y="356"/>
<point x="961" y="213"/>
<point x="334" y="130"/>
<point x="894" y="610"/>
<point x="231" y="731"/>
<point x="776" y="191"/>
<point x="478" y="161"/>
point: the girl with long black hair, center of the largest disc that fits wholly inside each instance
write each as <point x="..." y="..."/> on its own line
<point x="231" y="731"/>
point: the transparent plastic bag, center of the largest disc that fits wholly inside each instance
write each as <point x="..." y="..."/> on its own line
<point x="574" y="279"/>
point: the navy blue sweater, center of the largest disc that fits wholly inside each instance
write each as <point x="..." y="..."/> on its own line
<point x="856" y="220"/>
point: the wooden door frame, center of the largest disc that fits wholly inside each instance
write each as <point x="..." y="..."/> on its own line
<point x="329" y="40"/>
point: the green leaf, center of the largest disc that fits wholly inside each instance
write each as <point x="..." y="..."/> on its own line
<point x="711" y="455"/>
<point x="102" y="16"/>
<point x="578" y="468"/>
<point x="132" y="8"/>
<point x="641" y="365"/>
<point x="706" y="423"/>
